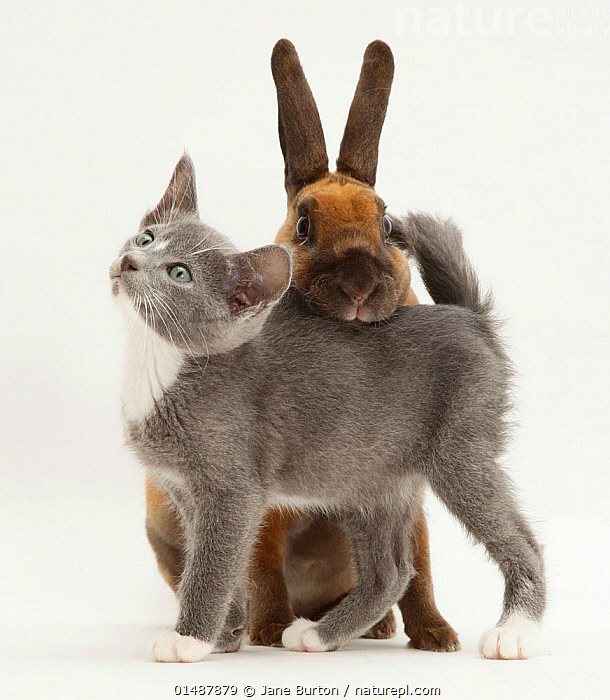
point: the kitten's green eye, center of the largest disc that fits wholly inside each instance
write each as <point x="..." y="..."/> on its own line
<point x="179" y="273"/>
<point x="144" y="239"/>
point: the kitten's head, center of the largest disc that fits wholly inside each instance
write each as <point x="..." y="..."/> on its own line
<point x="188" y="282"/>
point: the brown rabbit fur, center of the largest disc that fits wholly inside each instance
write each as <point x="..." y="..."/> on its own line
<point x="343" y="264"/>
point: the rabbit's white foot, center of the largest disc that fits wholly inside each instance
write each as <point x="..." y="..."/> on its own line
<point x="515" y="638"/>
<point x="302" y="636"/>
<point x="174" y="647"/>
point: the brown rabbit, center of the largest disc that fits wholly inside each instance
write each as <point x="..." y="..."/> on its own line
<point x="338" y="232"/>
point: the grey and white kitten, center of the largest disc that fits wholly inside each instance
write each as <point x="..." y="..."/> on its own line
<point x="238" y="397"/>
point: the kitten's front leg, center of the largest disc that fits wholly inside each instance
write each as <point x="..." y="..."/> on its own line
<point x="234" y="629"/>
<point x="219" y="529"/>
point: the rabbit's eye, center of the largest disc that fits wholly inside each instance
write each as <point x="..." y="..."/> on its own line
<point x="302" y="228"/>
<point x="144" y="239"/>
<point x="387" y="227"/>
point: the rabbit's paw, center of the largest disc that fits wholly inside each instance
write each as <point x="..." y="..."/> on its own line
<point x="434" y="636"/>
<point x="268" y="636"/>
<point x="513" y="639"/>
<point x="173" y="647"/>
<point x="302" y="636"/>
<point x="384" y="629"/>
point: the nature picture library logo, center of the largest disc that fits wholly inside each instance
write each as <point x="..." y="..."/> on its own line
<point x="468" y="20"/>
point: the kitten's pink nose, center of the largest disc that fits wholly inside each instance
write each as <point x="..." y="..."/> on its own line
<point x="357" y="298"/>
<point x="128" y="263"/>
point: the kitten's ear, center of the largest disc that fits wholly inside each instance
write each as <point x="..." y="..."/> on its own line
<point x="258" y="277"/>
<point x="180" y="196"/>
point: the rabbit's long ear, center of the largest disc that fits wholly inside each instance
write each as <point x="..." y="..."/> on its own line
<point x="360" y="144"/>
<point x="299" y="125"/>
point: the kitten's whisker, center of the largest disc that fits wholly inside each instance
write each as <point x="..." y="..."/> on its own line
<point x="174" y="319"/>
<point x="207" y="250"/>
<point x="136" y="316"/>
<point x="135" y="313"/>
<point x="143" y="341"/>
<point x="154" y="338"/>
<point x="180" y="329"/>
<point x="159" y="312"/>
<point x="203" y="240"/>
<point x="207" y="351"/>
<point x="172" y="315"/>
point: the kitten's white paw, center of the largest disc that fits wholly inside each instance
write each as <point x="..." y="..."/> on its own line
<point x="292" y="637"/>
<point x="163" y="647"/>
<point x="516" y="638"/>
<point x="302" y="636"/>
<point x="173" y="647"/>
<point x="312" y="641"/>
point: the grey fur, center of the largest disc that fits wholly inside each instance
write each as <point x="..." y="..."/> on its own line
<point x="352" y="420"/>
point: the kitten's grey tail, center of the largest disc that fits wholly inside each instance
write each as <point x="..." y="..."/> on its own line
<point x="436" y="245"/>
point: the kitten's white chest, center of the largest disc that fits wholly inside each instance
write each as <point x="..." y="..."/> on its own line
<point x="152" y="366"/>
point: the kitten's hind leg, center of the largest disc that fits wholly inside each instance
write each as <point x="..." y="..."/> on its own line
<point x="382" y="557"/>
<point x="480" y="496"/>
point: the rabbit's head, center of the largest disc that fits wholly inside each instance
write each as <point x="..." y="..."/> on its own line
<point x="336" y="225"/>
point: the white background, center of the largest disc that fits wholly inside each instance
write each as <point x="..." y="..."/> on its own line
<point x="503" y="126"/>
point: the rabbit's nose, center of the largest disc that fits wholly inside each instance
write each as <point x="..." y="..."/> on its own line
<point x="359" y="293"/>
<point x="128" y="263"/>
